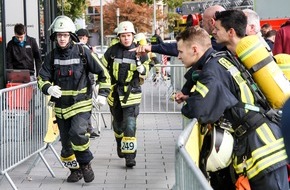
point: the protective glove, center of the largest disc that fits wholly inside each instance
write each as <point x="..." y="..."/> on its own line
<point x="54" y="91"/>
<point x="101" y="100"/>
<point x="140" y="69"/>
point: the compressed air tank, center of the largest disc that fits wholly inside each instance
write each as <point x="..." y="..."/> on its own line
<point x="266" y="73"/>
<point x="283" y="61"/>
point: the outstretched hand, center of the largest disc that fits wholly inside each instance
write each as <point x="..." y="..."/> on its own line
<point x="142" y="50"/>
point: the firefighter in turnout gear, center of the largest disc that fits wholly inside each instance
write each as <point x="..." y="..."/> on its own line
<point x="64" y="76"/>
<point x="125" y="97"/>
<point x="221" y="91"/>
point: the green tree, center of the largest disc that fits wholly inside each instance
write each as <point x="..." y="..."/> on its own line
<point x="72" y="8"/>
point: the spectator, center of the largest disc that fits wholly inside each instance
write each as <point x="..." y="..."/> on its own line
<point x="282" y="39"/>
<point x="171" y="48"/>
<point x="125" y="67"/>
<point x="208" y="23"/>
<point x="84" y="36"/>
<point x="270" y="38"/>
<point x="64" y="76"/>
<point x="156" y="38"/>
<point x="23" y="52"/>
<point x="265" y="28"/>
<point x="230" y="27"/>
<point x="254" y="28"/>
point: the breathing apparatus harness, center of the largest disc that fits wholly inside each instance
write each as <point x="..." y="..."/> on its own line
<point x="257" y="114"/>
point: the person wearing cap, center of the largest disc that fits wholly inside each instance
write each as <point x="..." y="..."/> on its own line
<point x="83" y="35"/>
<point x="64" y="76"/>
<point x="125" y="67"/>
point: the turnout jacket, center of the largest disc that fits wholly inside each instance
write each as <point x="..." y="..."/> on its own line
<point x="69" y="70"/>
<point x="125" y="80"/>
<point x="219" y="91"/>
<point x="23" y="57"/>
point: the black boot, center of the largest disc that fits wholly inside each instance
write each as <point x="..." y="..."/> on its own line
<point x="75" y="175"/>
<point x="119" y="151"/>
<point x="88" y="172"/>
<point x="130" y="160"/>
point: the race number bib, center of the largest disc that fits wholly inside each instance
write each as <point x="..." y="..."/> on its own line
<point x="70" y="162"/>
<point x="129" y="145"/>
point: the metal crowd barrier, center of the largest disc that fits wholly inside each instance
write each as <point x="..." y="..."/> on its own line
<point x="24" y="121"/>
<point x="187" y="175"/>
<point x="157" y="95"/>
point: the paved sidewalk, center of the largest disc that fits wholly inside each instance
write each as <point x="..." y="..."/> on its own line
<point x="156" y="137"/>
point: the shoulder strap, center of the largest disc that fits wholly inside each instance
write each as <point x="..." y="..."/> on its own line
<point x="245" y="74"/>
<point x="82" y="53"/>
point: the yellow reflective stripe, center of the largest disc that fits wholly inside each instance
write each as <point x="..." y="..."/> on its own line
<point x="72" y="157"/>
<point x="202" y="89"/>
<point x="285" y="67"/>
<point x="130" y="72"/>
<point x="274" y="149"/>
<point x="74" y="112"/>
<point x="266" y="134"/>
<point x="146" y="64"/>
<point x="250" y="51"/>
<point x="119" y="136"/>
<point x="132" y="99"/>
<point x="193" y="88"/>
<point x="79" y="107"/>
<point x="81" y="147"/>
<point x="267" y="162"/>
<point x="116" y="70"/>
<point x="104" y="61"/>
<point x="74" y="93"/>
<point x="246" y="94"/>
<point x="106" y="83"/>
<point x="41" y="83"/>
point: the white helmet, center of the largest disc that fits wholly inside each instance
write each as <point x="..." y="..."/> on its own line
<point x="141" y="38"/>
<point x="116" y="30"/>
<point x="63" y="24"/>
<point x="217" y="149"/>
<point x="125" y="27"/>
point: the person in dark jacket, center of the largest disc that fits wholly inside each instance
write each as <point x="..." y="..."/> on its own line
<point x="219" y="91"/>
<point x="65" y="76"/>
<point x="171" y="48"/>
<point x="23" y="52"/>
<point x="270" y="38"/>
<point x="156" y="38"/>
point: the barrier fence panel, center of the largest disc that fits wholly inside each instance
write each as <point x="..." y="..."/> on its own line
<point x="23" y="119"/>
<point x="157" y="91"/>
<point x="157" y="94"/>
<point x="187" y="174"/>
